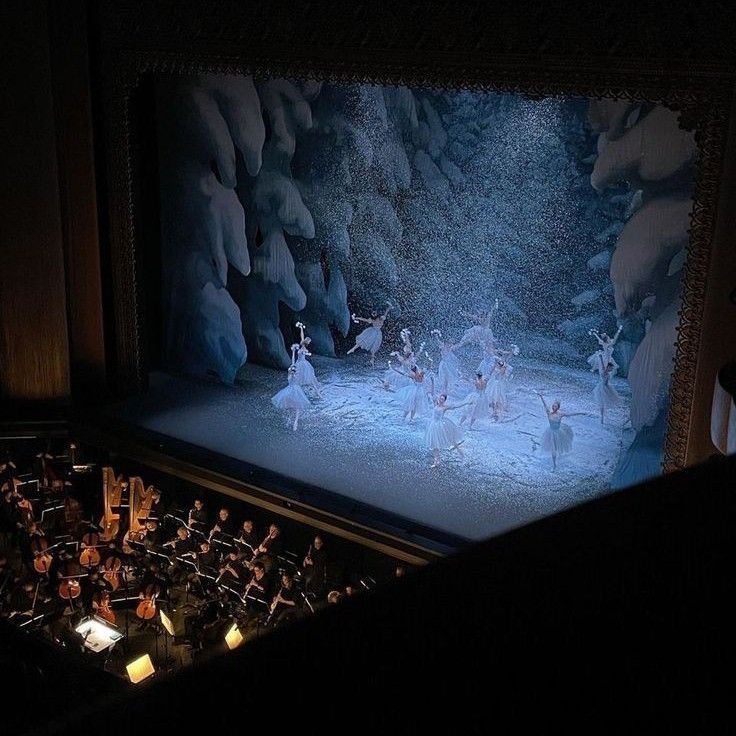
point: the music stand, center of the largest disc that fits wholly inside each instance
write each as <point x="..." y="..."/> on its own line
<point x="168" y="626"/>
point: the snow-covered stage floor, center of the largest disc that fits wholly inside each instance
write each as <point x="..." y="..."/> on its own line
<point x="353" y="442"/>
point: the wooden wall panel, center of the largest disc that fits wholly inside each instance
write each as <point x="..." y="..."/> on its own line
<point x="34" y="357"/>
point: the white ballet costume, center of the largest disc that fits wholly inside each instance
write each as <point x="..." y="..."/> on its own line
<point x="370" y="339"/>
<point x="414" y="399"/>
<point x="305" y="375"/>
<point x="498" y="390"/>
<point x="557" y="438"/>
<point x="448" y="371"/>
<point x="478" y="334"/>
<point x="291" y="396"/>
<point x="604" y="355"/>
<point x="441" y="433"/>
<point x="605" y="395"/>
<point x="479" y="408"/>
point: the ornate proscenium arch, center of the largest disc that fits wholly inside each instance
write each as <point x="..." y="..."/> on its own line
<point x="528" y="49"/>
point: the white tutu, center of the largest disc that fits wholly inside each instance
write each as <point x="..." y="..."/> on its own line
<point x="442" y="433"/>
<point x="414" y="399"/>
<point x="448" y="371"/>
<point x="479" y="408"/>
<point x="605" y="395"/>
<point x="498" y="394"/>
<point x="557" y="438"/>
<point x="602" y="356"/>
<point x="395" y="380"/>
<point x="291" y="397"/>
<point x="304" y="375"/>
<point x="370" y="339"/>
<point x="486" y="366"/>
<point x="478" y="334"/>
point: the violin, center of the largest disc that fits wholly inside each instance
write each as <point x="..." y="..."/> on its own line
<point x="111" y="574"/>
<point x="89" y="556"/>
<point x="42" y="558"/>
<point x="102" y="606"/>
<point x="146" y="609"/>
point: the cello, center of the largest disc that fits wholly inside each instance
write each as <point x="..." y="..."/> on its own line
<point x="102" y="606"/>
<point x="111" y="571"/>
<point x="42" y="558"/>
<point x="69" y="588"/>
<point x="146" y="609"/>
<point x="89" y="556"/>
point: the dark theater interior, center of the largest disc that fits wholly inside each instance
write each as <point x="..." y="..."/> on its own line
<point x="367" y="366"/>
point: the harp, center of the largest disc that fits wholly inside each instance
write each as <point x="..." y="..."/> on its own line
<point x="141" y="500"/>
<point x="112" y="493"/>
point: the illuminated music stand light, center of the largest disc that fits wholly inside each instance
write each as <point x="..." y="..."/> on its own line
<point x="140" y="669"/>
<point x="233" y="638"/>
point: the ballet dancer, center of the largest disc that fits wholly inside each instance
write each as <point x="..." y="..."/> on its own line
<point x="442" y="433"/>
<point x="414" y="398"/>
<point x="393" y="380"/>
<point x="557" y="438"/>
<point x="291" y="397"/>
<point x="478" y="402"/>
<point x="480" y="333"/>
<point x="305" y="375"/>
<point x="605" y="395"/>
<point x="448" y="371"/>
<point x="498" y="397"/>
<point x="607" y="344"/>
<point x="371" y="337"/>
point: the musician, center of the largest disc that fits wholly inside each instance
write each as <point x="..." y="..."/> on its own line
<point x="283" y="605"/>
<point x="22" y="599"/>
<point x="182" y="542"/>
<point x="270" y="548"/>
<point x="197" y="515"/>
<point x="315" y="567"/>
<point x="206" y="557"/>
<point x="233" y="568"/>
<point x="259" y="584"/>
<point x="27" y="535"/>
<point x="152" y="537"/>
<point x="334" y="596"/>
<point x="92" y="584"/>
<point x="157" y="508"/>
<point x="400" y="571"/>
<point x="247" y="536"/>
<point x="223" y="525"/>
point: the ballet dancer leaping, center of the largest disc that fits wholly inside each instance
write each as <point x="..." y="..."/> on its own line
<point x="371" y="337"/>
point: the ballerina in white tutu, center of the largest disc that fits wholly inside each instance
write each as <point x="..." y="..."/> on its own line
<point x="371" y="337"/>
<point x="448" y="371"/>
<point x="498" y="395"/>
<point x="557" y="438"/>
<point x="305" y="375"/>
<point x="414" y="398"/>
<point x="605" y="395"/>
<point x="480" y="333"/>
<point x="393" y="380"/>
<point x="487" y="365"/>
<point x="442" y="433"/>
<point x="292" y="397"/>
<point x="605" y="353"/>
<point x="477" y="402"/>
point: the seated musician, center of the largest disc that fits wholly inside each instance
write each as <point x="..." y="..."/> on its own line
<point x="8" y="518"/>
<point x="315" y="567"/>
<point x="22" y="599"/>
<point x="26" y="537"/>
<point x="259" y="584"/>
<point x="247" y="536"/>
<point x="232" y="569"/>
<point x="284" y="603"/>
<point x="400" y="571"/>
<point x="270" y="548"/>
<point x="197" y="516"/>
<point x="334" y="596"/>
<point x="223" y="526"/>
<point x="152" y="537"/>
<point x="181" y="543"/>
<point x="206" y="556"/>
<point x="157" y="508"/>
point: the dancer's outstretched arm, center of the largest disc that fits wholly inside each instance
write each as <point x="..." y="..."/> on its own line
<point x="546" y="408"/>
